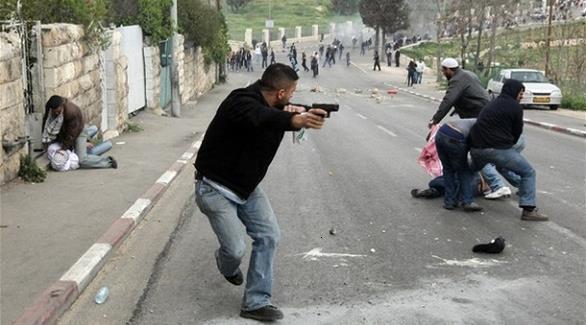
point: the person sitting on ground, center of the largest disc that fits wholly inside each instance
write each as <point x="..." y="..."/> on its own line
<point x="63" y="124"/>
<point x="498" y="128"/>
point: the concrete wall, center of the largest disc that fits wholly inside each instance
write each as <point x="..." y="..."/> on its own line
<point x="12" y="114"/>
<point x="70" y="70"/>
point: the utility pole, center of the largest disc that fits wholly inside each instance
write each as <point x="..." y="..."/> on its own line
<point x="547" y="43"/>
<point x="176" y="101"/>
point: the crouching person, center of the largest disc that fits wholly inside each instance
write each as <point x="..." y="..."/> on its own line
<point x="63" y="124"/>
<point x="460" y="181"/>
<point x="492" y="138"/>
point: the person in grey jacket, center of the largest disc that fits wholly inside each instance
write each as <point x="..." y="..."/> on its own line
<point x="465" y="93"/>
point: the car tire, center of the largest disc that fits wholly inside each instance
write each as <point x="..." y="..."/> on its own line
<point x="553" y="107"/>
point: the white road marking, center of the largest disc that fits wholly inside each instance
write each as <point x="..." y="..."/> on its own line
<point x="385" y="130"/>
<point x="473" y="262"/>
<point x="359" y="68"/>
<point x="362" y="116"/>
<point x="317" y="252"/>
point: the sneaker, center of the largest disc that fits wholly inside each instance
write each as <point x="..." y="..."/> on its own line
<point x="113" y="162"/>
<point x="268" y="313"/>
<point x="501" y="192"/>
<point x="533" y="215"/>
<point x="236" y="279"/>
<point x="472" y="207"/>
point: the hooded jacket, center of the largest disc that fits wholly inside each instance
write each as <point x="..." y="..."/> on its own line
<point x="242" y="140"/>
<point x="500" y="123"/>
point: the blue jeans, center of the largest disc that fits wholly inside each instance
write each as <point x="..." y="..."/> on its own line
<point x="87" y="160"/>
<point x="453" y="153"/>
<point x="512" y="161"/>
<point x="491" y="173"/>
<point x="226" y="219"/>
<point x="100" y="148"/>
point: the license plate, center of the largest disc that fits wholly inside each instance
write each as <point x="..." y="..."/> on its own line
<point x="541" y="100"/>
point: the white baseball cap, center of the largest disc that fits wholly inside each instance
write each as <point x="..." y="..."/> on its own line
<point x="450" y="63"/>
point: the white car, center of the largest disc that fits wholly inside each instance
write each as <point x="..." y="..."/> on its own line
<point x="538" y="89"/>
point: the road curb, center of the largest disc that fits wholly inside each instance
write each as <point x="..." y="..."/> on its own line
<point x="544" y="125"/>
<point x="55" y="300"/>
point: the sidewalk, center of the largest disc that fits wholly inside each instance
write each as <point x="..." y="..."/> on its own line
<point x="561" y="120"/>
<point x="47" y="227"/>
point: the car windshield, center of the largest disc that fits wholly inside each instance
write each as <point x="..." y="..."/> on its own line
<point x="528" y="76"/>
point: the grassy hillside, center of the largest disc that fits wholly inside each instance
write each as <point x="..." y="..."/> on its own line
<point x="567" y="62"/>
<point x="285" y="13"/>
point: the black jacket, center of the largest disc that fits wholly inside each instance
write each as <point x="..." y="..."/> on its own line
<point x="242" y="140"/>
<point x="500" y="123"/>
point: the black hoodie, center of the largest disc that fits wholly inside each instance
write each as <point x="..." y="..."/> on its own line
<point x="242" y="140"/>
<point x="500" y="122"/>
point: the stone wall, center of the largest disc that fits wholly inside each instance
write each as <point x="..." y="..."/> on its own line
<point x="152" y="69"/>
<point x="117" y="88"/>
<point x="71" y="70"/>
<point x="205" y="78"/>
<point x="12" y="114"/>
<point x="194" y="78"/>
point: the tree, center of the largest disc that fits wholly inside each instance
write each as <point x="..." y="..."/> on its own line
<point x="205" y="27"/>
<point x="345" y="7"/>
<point x="235" y="5"/>
<point x="389" y="15"/>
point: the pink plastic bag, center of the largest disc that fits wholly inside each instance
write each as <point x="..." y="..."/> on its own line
<point x="428" y="159"/>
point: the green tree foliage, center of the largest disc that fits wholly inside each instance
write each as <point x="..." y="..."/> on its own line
<point x="345" y="7"/>
<point x="235" y="5"/>
<point x="390" y="15"/>
<point x="205" y="27"/>
<point x="89" y="13"/>
<point x="152" y="16"/>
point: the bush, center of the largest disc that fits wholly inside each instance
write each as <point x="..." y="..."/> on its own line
<point x="574" y="102"/>
<point x="29" y="171"/>
<point x="152" y="16"/>
<point x="205" y="27"/>
<point x="90" y="14"/>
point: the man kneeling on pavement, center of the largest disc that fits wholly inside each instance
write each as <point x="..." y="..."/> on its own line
<point x="497" y="129"/>
<point x="66" y="138"/>
<point x="494" y="138"/>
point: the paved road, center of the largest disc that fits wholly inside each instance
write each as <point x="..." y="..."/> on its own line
<point x="394" y="259"/>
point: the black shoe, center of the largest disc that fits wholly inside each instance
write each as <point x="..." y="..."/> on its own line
<point x="113" y="162"/>
<point x="428" y="193"/>
<point x="472" y="207"/>
<point x="236" y="279"/>
<point x="450" y="206"/>
<point x="268" y="313"/>
<point x="494" y="247"/>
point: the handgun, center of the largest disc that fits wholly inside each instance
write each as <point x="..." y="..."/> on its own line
<point x="326" y="107"/>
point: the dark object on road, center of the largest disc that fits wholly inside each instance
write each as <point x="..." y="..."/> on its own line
<point x="428" y="193"/>
<point x="333" y="231"/>
<point x="267" y="313"/>
<point x="494" y="247"/>
<point x="326" y="107"/>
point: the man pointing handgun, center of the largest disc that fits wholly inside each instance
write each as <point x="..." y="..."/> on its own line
<point x="238" y="148"/>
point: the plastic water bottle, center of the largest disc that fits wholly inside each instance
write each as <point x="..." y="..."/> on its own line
<point x="102" y="295"/>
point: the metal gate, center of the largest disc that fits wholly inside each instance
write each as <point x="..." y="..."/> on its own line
<point x="165" y="49"/>
<point x="131" y="46"/>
